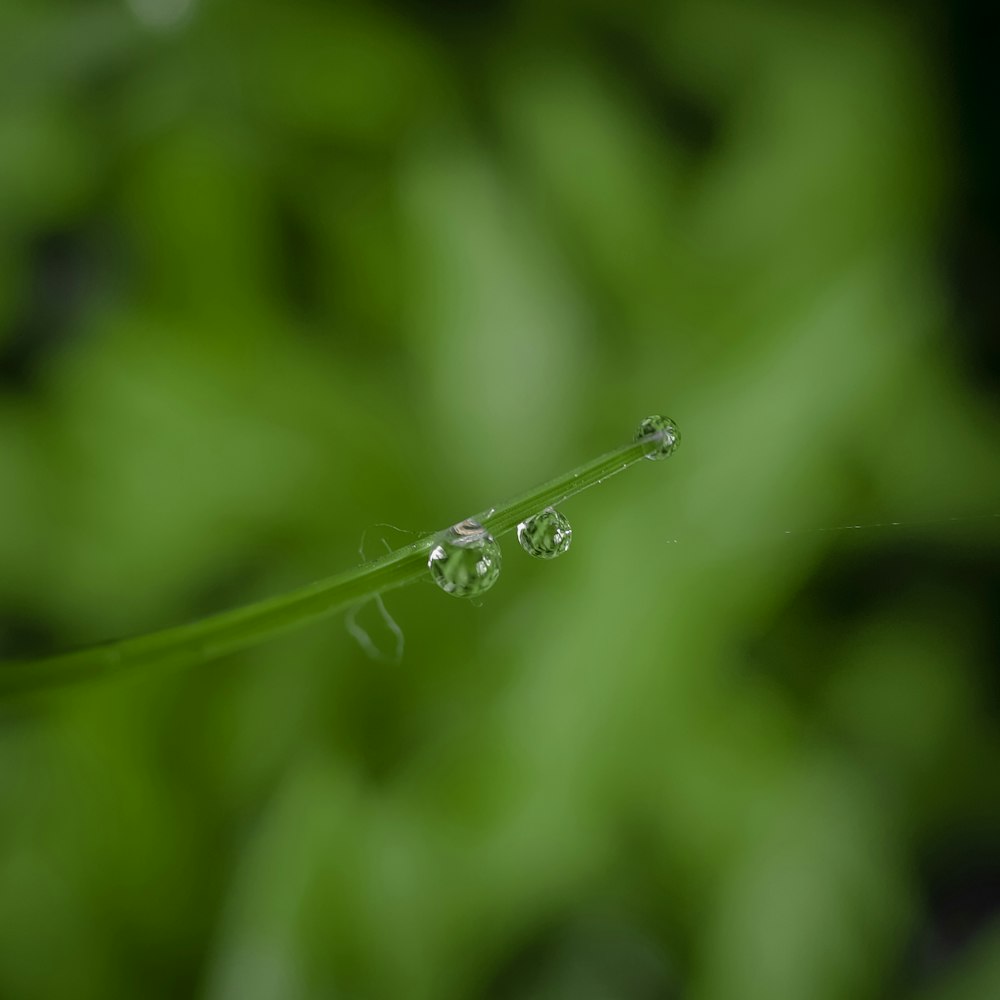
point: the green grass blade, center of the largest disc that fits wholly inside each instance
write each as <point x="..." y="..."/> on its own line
<point x="230" y="631"/>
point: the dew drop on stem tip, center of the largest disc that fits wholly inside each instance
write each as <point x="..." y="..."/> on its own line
<point x="663" y="436"/>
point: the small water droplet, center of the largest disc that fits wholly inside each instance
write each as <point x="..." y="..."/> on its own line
<point x="664" y="434"/>
<point x="466" y="560"/>
<point x="546" y="535"/>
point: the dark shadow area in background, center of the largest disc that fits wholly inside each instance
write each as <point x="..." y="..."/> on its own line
<point x="957" y="859"/>
<point x="961" y="878"/>
<point x="974" y="250"/>
<point x="61" y="277"/>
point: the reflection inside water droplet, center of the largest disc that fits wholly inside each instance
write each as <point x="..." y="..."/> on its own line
<point x="663" y="434"/>
<point x="466" y="560"/>
<point x="546" y="535"/>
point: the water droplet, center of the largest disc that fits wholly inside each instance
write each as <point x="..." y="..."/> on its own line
<point x="546" y="535"/>
<point x="466" y="560"/>
<point x="665" y="434"/>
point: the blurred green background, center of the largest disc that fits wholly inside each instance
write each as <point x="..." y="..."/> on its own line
<point x="274" y="272"/>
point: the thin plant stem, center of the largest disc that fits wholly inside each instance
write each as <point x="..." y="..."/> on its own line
<point x="237" y="629"/>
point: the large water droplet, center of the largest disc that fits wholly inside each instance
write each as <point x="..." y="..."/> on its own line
<point x="665" y="434"/>
<point x="466" y="560"/>
<point x="546" y="535"/>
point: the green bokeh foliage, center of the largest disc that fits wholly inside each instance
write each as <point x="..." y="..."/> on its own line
<point x="277" y="272"/>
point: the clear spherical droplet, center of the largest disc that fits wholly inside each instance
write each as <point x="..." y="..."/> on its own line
<point x="663" y="434"/>
<point x="466" y="560"/>
<point x="546" y="535"/>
